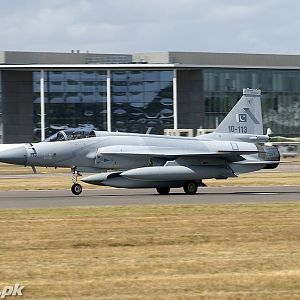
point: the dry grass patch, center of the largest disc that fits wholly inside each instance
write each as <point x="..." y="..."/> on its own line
<point x="258" y="179"/>
<point x="36" y="182"/>
<point x="8" y="169"/>
<point x="153" y="252"/>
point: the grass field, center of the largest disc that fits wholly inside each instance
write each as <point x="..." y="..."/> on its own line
<point x="151" y="252"/>
<point x="148" y="252"/>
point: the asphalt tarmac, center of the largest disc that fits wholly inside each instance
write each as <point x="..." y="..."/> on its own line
<point x="113" y="196"/>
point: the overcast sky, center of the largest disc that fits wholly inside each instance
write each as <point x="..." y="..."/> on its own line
<point x="130" y="26"/>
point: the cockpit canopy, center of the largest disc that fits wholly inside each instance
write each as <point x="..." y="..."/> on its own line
<point x="67" y="135"/>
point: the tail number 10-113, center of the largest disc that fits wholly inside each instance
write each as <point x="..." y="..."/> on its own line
<point x="238" y="129"/>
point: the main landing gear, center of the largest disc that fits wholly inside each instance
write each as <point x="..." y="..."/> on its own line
<point x="76" y="187"/>
<point x="190" y="188"/>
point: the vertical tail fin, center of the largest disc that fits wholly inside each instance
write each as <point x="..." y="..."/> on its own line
<point x="245" y="117"/>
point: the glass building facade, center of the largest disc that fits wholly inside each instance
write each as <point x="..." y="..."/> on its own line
<point x="142" y="99"/>
<point x="280" y="96"/>
<point x="139" y="100"/>
<point x="72" y="100"/>
<point x="135" y="97"/>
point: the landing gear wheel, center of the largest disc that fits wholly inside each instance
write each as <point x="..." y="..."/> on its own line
<point x="190" y="187"/>
<point x="163" y="190"/>
<point x="76" y="189"/>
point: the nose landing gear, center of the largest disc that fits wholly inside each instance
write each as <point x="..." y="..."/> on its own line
<point x="76" y="187"/>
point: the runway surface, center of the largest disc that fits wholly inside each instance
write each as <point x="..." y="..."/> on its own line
<point x="112" y="196"/>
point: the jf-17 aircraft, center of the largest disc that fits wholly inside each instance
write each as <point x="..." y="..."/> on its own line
<point x="130" y="160"/>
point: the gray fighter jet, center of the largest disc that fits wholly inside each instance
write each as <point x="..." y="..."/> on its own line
<point x="131" y="160"/>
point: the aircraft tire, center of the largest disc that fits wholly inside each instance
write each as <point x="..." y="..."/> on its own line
<point x="190" y="187"/>
<point x="163" y="190"/>
<point x="76" y="189"/>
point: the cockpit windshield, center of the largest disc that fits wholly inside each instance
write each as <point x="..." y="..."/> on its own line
<point x="67" y="135"/>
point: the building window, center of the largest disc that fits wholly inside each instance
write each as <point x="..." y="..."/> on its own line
<point x="72" y="100"/>
<point x="142" y="99"/>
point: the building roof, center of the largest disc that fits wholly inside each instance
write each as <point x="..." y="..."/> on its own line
<point x="75" y="57"/>
<point x="152" y="60"/>
<point x="221" y="59"/>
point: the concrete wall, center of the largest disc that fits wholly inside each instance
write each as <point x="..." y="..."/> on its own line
<point x="235" y="59"/>
<point x="17" y="106"/>
<point x="153" y="57"/>
<point x="190" y="99"/>
<point x="16" y="57"/>
<point x="194" y="58"/>
<point x="220" y="59"/>
<point x="2" y="57"/>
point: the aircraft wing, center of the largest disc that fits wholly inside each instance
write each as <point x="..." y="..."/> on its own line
<point x="165" y="152"/>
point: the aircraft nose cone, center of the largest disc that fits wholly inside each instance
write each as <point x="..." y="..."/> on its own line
<point x="17" y="156"/>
